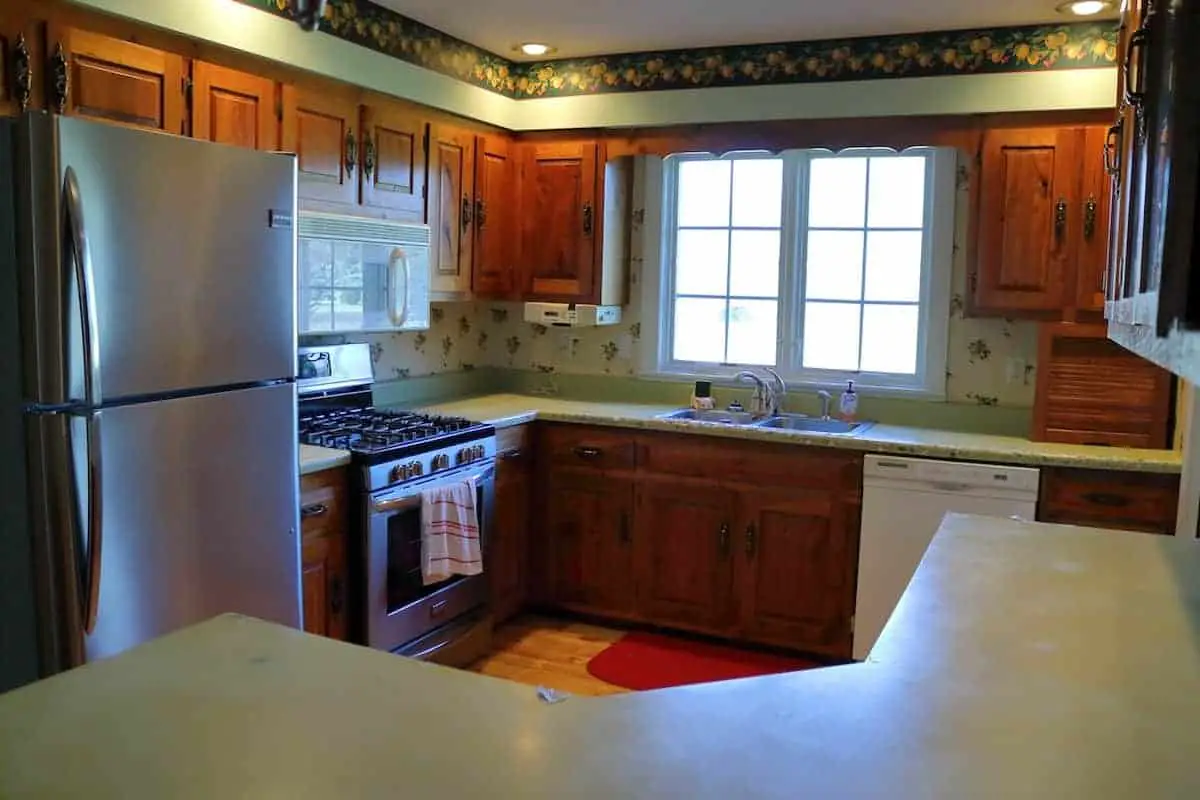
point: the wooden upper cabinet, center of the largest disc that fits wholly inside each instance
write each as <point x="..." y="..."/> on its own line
<point x="114" y="80"/>
<point x="394" y="160"/>
<point x="320" y="125"/>
<point x="232" y="107"/>
<point x="451" y="207"/>
<point x="1026" y="224"/>
<point x="589" y="536"/>
<point x="560" y="209"/>
<point x="493" y="271"/>
<point x="796" y="565"/>
<point x="1094" y="203"/>
<point x="684" y="545"/>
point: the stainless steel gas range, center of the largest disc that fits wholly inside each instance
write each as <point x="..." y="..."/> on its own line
<point x="395" y="455"/>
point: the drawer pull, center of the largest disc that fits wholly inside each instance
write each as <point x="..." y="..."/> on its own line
<point x="516" y="454"/>
<point x="1108" y="499"/>
<point x="315" y="510"/>
<point x="588" y="452"/>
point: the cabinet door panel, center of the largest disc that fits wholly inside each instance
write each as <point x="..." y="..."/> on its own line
<point x="559" y="217"/>
<point x="588" y="534"/>
<point x="314" y="578"/>
<point x="451" y="206"/>
<point x="232" y="107"/>
<point x="320" y="127"/>
<point x="509" y="537"/>
<point x="1027" y="218"/>
<point x="684" y="545"/>
<point x="393" y="161"/>
<point x="493" y="272"/>
<point x="116" y="81"/>
<point x="1094" y="201"/>
<point x="797" y="558"/>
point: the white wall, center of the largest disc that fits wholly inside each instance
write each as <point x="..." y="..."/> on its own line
<point x="240" y="27"/>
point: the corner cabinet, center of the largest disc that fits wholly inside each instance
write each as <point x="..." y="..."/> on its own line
<point x="451" y="208"/>
<point x="112" y="80"/>
<point x="494" y="268"/>
<point x="1042" y="223"/>
<point x="574" y="226"/>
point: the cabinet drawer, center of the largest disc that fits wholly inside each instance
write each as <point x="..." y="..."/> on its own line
<point x="1121" y="500"/>
<point x="754" y="463"/>
<point x="578" y="446"/>
<point x="323" y="503"/>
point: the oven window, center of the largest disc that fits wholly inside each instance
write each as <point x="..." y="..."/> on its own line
<point x="404" y="582"/>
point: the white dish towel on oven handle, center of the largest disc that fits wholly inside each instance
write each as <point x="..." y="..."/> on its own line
<point x="450" y="532"/>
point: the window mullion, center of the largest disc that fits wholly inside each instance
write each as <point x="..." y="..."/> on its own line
<point x="862" y="285"/>
<point x="802" y="194"/>
<point x="729" y="264"/>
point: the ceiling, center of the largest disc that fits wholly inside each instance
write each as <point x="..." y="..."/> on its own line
<point x="598" y="27"/>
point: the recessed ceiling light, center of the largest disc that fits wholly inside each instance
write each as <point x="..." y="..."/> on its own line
<point x="535" y="49"/>
<point x="1085" y="8"/>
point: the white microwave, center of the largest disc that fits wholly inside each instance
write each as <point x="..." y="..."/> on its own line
<point x="358" y="275"/>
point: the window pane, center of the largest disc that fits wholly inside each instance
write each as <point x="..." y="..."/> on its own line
<point x="833" y="266"/>
<point x="894" y="266"/>
<point x="755" y="264"/>
<point x="758" y="192"/>
<point x="831" y="336"/>
<point x="837" y="196"/>
<point x="753" y="331"/>
<point x="702" y="262"/>
<point x="699" y="330"/>
<point x="897" y="192"/>
<point x="703" y="193"/>
<point x="890" y="339"/>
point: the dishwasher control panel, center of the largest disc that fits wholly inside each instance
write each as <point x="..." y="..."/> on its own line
<point x="952" y="474"/>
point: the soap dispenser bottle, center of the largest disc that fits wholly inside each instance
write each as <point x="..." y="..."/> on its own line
<point x="848" y="405"/>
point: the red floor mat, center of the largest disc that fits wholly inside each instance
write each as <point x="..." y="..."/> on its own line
<point x="648" y="661"/>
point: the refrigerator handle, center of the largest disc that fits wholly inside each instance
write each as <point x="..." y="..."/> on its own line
<point x="81" y="265"/>
<point x="85" y="280"/>
<point x="398" y="308"/>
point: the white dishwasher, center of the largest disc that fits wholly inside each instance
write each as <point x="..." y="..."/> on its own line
<point x="904" y="500"/>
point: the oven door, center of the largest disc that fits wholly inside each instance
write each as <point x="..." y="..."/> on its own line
<point x="399" y="607"/>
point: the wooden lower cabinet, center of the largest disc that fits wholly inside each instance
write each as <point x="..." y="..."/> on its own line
<point x="508" y="540"/>
<point x="797" y="553"/>
<point x="684" y="545"/>
<point x="1130" y="501"/>
<point x="323" y="567"/>
<point x="589" y="541"/>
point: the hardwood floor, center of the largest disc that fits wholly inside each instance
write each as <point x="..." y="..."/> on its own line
<point x="541" y="651"/>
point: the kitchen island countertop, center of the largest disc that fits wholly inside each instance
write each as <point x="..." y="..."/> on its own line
<point x="1024" y="660"/>
<point x="504" y="410"/>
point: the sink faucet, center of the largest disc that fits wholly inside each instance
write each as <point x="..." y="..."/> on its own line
<point x="762" y="401"/>
<point x="826" y="401"/>
<point x="780" y="393"/>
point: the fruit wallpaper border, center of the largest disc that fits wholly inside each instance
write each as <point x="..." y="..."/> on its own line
<point x="1034" y="48"/>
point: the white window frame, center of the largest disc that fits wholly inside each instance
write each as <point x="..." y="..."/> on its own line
<point x="658" y="290"/>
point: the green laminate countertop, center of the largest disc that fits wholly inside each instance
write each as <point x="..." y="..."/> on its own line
<point x="1024" y="661"/>
<point x="510" y="409"/>
<point x="315" y="459"/>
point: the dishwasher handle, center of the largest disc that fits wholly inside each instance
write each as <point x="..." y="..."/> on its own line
<point x="948" y="486"/>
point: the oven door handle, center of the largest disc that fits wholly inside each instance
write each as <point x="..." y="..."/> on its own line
<point x="410" y="499"/>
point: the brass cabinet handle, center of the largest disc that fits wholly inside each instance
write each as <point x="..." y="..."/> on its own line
<point x="1060" y="218"/>
<point x="351" y="152"/>
<point x="315" y="510"/>
<point x="1108" y="499"/>
<point x="751" y="540"/>
<point x="369" y="156"/>
<point x="589" y="222"/>
<point x="516" y="454"/>
<point x="624" y="535"/>
<point x="723" y="539"/>
<point x="59" y="68"/>
<point x="480" y="214"/>
<point x="466" y="212"/>
<point x="1112" y="148"/>
<point x="337" y="592"/>
<point x="22" y="73"/>
<point x="1135" y="86"/>
<point x="1089" y="217"/>
<point x="588" y="452"/>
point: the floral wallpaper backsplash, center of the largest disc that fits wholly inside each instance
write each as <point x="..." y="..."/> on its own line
<point x="964" y="52"/>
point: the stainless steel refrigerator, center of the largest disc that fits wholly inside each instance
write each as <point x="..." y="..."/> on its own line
<point x="148" y="472"/>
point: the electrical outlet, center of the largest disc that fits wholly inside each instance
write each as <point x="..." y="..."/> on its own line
<point x="566" y="345"/>
<point x="1014" y="371"/>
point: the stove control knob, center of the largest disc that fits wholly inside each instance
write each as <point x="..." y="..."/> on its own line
<point x="480" y="451"/>
<point x="416" y="469"/>
<point x="461" y="457"/>
<point x="396" y="474"/>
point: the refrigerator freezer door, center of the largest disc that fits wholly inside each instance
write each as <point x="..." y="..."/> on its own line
<point x="192" y="247"/>
<point x="200" y="514"/>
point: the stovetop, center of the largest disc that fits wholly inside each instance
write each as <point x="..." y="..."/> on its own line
<point x="376" y="434"/>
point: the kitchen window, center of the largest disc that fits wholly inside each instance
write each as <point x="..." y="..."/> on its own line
<point x="827" y="266"/>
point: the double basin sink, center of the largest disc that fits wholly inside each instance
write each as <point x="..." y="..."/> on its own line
<point x="788" y="422"/>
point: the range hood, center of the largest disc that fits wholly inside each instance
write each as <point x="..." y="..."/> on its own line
<point x="572" y="315"/>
